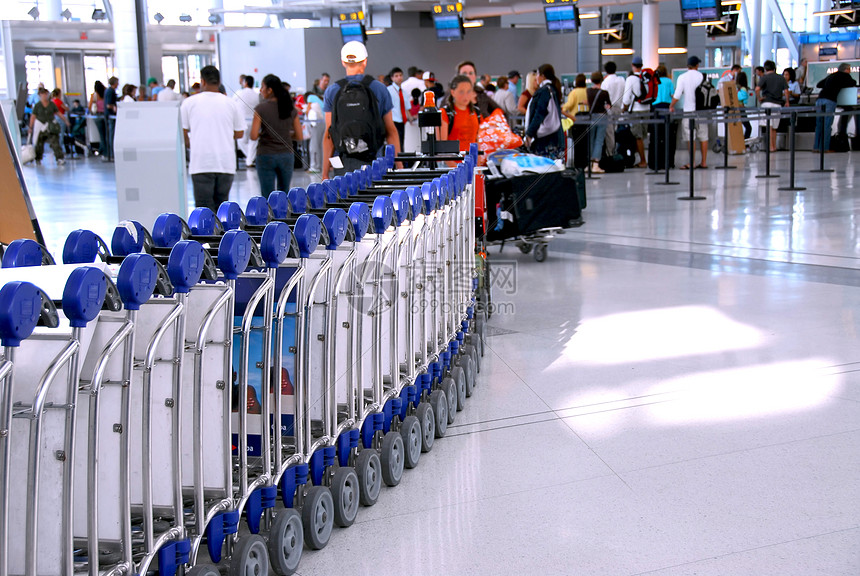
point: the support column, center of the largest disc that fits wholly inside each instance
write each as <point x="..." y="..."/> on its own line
<point x="49" y="10"/>
<point x="754" y="33"/>
<point x="129" y="33"/>
<point x="650" y="33"/>
<point x="824" y="21"/>
<point x="766" y="33"/>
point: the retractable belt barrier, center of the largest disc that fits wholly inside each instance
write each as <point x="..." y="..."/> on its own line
<point x="273" y="366"/>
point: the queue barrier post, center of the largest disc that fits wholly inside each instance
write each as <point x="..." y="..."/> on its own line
<point x="692" y="138"/>
<point x="668" y="161"/>
<point x="791" y="150"/>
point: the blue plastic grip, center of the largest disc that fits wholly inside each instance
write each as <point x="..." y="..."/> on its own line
<point x="280" y="205"/>
<point x="136" y="280"/>
<point x="231" y="216"/>
<point x="128" y="237"/>
<point x="84" y="295"/>
<point x="81" y="247"/>
<point x="389" y="156"/>
<point x="298" y="200"/>
<point x="416" y="200"/>
<point x="342" y="187"/>
<point x="348" y="178"/>
<point x="20" y="305"/>
<point x="203" y="222"/>
<point x="330" y="190"/>
<point x="307" y="230"/>
<point x="185" y="265"/>
<point x="257" y="211"/>
<point x="428" y="192"/>
<point x="336" y="222"/>
<point x="234" y="253"/>
<point x="382" y="214"/>
<point x="167" y="230"/>
<point x="21" y="253"/>
<point x="402" y="207"/>
<point x="316" y="196"/>
<point x="359" y="215"/>
<point x="275" y="244"/>
<point x="377" y="170"/>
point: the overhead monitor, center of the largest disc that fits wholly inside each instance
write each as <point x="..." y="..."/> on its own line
<point x="448" y="26"/>
<point x="353" y="30"/>
<point x="699" y="10"/>
<point x="561" y="18"/>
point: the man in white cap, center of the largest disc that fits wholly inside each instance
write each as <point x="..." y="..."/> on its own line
<point x="357" y="116"/>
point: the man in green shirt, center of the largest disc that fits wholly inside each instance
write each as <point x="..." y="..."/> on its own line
<point x="43" y="126"/>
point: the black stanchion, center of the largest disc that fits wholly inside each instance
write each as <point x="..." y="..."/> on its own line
<point x="767" y="173"/>
<point x="692" y="195"/>
<point x="666" y="122"/>
<point x="821" y="168"/>
<point x="651" y="126"/>
<point x="791" y="129"/>
<point x="725" y="165"/>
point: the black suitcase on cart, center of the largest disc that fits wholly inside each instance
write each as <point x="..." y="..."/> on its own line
<point x="535" y="202"/>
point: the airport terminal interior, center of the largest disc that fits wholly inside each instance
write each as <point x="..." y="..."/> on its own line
<point x="674" y="390"/>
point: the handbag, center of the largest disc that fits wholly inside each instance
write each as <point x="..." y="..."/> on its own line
<point x="552" y="122"/>
<point x="28" y="153"/>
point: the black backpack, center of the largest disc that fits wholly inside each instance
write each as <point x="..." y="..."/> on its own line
<point x="357" y="129"/>
<point x="706" y="95"/>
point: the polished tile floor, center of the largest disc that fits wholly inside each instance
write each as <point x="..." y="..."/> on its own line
<point x="675" y="391"/>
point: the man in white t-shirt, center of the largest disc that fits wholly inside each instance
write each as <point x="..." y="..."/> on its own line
<point x="614" y="85"/>
<point x="246" y="99"/>
<point x="211" y="122"/>
<point x="411" y="132"/>
<point x="168" y="93"/>
<point x="685" y="89"/>
<point x="632" y="91"/>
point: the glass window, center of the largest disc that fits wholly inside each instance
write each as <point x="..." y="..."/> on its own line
<point x="40" y="70"/>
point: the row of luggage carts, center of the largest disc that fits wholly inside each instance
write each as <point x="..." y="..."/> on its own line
<point x="216" y="394"/>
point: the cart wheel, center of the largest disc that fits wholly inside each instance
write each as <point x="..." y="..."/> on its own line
<point x="318" y="517"/>
<point x="202" y="570"/>
<point x="449" y="387"/>
<point x="250" y="556"/>
<point x="369" y="470"/>
<point x="410" y="430"/>
<point x="718" y="146"/>
<point x="459" y="376"/>
<point x="427" y="420"/>
<point x="468" y="365"/>
<point x="392" y="458"/>
<point x="540" y="253"/>
<point x="525" y="247"/>
<point x="472" y="352"/>
<point x="344" y="492"/>
<point x="439" y="403"/>
<point x="286" y="540"/>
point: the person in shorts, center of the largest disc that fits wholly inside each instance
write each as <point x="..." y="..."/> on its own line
<point x="685" y="90"/>
<point x="772" y="91"/>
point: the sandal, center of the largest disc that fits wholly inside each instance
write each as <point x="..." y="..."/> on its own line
<point x="685" y="167"/>
<point x="701" y="167"/>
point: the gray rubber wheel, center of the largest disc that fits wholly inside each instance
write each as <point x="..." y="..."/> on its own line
<point x="525" y="247"/>
<point x="369" y="471"/>
<point x="202" y="570"/>
<point x="449" y="387"/>
<point x="250" y="557"/>
<point x="410" y="430"/>
<point x="345" y="493"/>
<point x="286" y="542"/>
<point x="468" y="365"/>
<point x="439" y="403"/>
<point x="427" y="419"/>
<point x="459" y="376"/>
<point x="471" y="348"/>
<point x="540" y="253"/>
<point x="392" y="458"/>
<point x="318" y="517"/>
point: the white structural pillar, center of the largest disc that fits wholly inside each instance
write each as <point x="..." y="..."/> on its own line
<point x="754" y="33"/>
<point x="650" y="33"/>
<point x="129" y="36"/>
<point x="824" y="21"/>
<point x="50" y="10"/>
<point x="766" y="32"/>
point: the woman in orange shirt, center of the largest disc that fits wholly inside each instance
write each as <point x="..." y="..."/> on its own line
<point x="461" y="118"/>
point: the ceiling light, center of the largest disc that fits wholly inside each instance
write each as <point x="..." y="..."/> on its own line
<point x="374" y="31"/>
<point x="730" y="2"/>
<point x="709" y="23"/>
<point x="587" y="15"/>
<point x="34" y="13"/>
<point x="679" y="50"/>
<point x="473" y="23"/>
<point x="617" y="51"/>
<point x="833" y="12"/>
<point x="604" y="31"/>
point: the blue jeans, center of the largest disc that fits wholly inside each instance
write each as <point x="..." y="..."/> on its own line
<point x="597" y="135"/>
<point x="823" y="125"/>
<point x="275" y="167"/>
